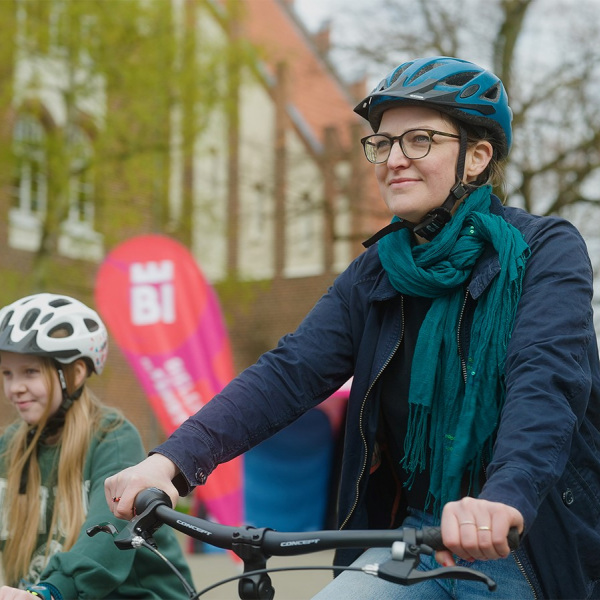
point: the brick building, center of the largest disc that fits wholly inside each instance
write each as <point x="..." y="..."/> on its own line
<point x="272" y="194"/>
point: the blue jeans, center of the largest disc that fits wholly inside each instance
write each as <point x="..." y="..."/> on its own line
<point x="353" y="585"/>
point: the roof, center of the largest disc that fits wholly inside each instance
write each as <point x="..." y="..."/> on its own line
<point x="317" y="94"/>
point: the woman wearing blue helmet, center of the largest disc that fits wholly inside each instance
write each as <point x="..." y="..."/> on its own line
<point x="472" y="96"/>
<point x="468" y="329"/>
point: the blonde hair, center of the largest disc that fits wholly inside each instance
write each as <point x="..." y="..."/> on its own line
<point x="22" y="511"/>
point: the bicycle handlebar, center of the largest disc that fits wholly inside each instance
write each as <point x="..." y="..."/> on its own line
<point x="255" y="545"/>
<point x="277" y="543"/>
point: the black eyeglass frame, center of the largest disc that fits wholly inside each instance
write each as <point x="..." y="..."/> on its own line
<point x="400" y="138"/>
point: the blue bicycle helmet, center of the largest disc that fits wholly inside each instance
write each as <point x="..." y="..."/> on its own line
<point x="457" y="87"/>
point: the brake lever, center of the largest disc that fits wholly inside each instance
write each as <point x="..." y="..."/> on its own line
<point x="105" y="527"/>
<point x="140" y="528"/>
<point x="397" y="571"/>
<point x="126" y="539"/>
<point x="401" y="568"/>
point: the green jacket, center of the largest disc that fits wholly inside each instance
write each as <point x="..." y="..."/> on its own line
<point x="94" y="567"/>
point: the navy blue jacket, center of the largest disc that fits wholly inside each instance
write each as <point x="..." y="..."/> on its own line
<point x="546" y="459"/>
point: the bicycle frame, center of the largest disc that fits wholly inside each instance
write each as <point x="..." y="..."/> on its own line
<point x="256" y="545"/>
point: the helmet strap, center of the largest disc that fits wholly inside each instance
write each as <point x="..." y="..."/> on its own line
<point x="394" y="226"/>
<point x="68" y="399"/>
<point x="433" y="222"/>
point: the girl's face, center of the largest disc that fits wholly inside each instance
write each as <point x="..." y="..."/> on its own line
<point x="26" y="386"/>
<point x="412" y="188"/>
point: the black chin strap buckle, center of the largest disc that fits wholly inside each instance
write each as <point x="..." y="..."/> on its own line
<point x="459" y="190"/>
<point x="432" y="224"/>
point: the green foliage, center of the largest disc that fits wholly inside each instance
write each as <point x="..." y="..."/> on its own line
<point x="119" y="70"/>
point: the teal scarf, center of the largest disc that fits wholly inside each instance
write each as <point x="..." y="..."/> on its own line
<point x="456" y="421"/>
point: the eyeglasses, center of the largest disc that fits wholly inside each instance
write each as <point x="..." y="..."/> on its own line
<point x="414" y="143"/>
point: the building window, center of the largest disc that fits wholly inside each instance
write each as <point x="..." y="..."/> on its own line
<point x="78" y="238"/>
<point x="29" y="142"/>
<point x="81" y="188"/>
<point x="29" y="192"/>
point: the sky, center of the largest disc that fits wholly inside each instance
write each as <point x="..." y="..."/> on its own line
<point x="313" y="12"/>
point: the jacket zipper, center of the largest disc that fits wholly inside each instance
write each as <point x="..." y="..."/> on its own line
<point x="360" y="421"/>
<point x="514" y="552"/>
<point x="483" y="464"/>
<point x="522" y="569"/>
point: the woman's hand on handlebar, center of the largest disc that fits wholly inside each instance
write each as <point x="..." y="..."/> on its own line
<point x="122" y="488"/>
<point x="476" y="529"/>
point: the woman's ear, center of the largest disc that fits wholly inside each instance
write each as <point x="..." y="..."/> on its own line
<point x="478" y="158"/>
<point x="81" y="372"/>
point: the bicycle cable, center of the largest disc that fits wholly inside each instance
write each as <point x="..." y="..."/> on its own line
<point x="273" y="570"/>
<point x="139" y="541"/>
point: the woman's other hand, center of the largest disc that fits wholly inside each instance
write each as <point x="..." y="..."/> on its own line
<point x="477" y="530"/>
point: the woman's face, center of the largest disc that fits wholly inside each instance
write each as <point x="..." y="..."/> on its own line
<point x="412" y="188"/>
<point x="26" y="386"/>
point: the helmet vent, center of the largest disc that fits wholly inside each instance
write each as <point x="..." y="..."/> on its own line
<point x="493" y="93"/>
<point x="59" y="302"/>
<point x="396" y="74"/>
<point x="469" y="91"/>
<point x="46" y="318"/>
<point x="426" y="69"/>
<point x="91" y="324"/>
<point x="6" y="320"/>
<point x="460" y="79"/>
<point x="29" y="319"/>
<point x="63" y="330"/>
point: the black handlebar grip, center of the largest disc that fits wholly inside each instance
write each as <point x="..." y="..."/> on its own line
<point x="150" y="496"/>
<point x="432" y="537"/>
<point x="514" y="539"/>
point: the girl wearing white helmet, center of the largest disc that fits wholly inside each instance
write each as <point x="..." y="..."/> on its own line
<point x="55" y="457"/>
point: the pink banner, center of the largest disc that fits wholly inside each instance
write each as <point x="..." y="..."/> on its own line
<point x="167" y="322"/>
<point x="335" y="406"/>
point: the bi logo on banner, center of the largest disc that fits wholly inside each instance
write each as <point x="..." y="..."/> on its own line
<point x="152" y="292"/>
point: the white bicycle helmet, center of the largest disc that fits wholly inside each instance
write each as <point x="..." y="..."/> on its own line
<point x="27" y="327"/>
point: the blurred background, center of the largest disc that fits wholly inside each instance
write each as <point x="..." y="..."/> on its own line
<point x="227" y="126"/>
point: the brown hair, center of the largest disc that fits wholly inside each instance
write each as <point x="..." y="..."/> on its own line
<point x="493" y="174"/>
